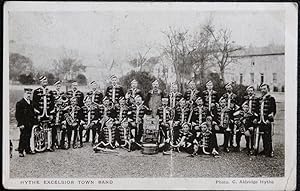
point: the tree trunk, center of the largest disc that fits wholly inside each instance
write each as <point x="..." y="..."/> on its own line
<point x="222" y="71"/>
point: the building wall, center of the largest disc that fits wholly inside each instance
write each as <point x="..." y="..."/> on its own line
<point x="248" y="71"/>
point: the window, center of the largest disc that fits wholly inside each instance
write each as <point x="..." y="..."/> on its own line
<point x="274" y="78"/>
<point x="261" y="78"/>
<point x="241" y="78"/>
<point x="252" y="78"/>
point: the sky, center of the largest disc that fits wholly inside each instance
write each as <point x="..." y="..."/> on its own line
<point x="122" y="34"/>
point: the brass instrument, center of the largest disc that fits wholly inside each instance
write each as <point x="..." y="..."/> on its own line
<point x="205" y="141"/>
<point x="70" y="120"/>
<point x="41" y="138"/>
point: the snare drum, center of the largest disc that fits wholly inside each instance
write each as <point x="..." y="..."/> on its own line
<point x="149" y="148"/>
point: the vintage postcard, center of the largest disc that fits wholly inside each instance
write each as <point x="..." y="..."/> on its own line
<point x="128" y="95"/>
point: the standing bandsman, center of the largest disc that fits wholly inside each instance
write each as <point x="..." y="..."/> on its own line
<point x="153" y="98"/>
<point x="72" y="114"/>
<point x="44" y="106"/>
<point x="121" y="111"/>
<point x="26" y="119"/>
<point x="95" y="95"/>
<point x="164" y="114"/>
<point x="267" y="112"/>
<point x="252" y="100"/>
<point x="136" y="114"/>
<point x="132" y="92"/>
<point x="74" y="92"/>
<point x="106" y="111"/>
<point x="199" y="114"/>
<point x="114" y="91"/>
<point x="192" y="93"/>
<point x="57" y="93"/>
<point x="182" y="115"/>
<point x="89" y="118"/>
<point x="174" y="96"/>
<point x="210" y="97"/>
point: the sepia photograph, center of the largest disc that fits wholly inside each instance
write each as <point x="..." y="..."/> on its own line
<point x="150" y="95"/>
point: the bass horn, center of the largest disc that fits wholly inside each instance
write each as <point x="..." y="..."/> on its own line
<point x="41" y="136"/>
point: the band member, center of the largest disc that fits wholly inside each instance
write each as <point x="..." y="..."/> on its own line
<point x="57" y="128"/>
<point x="244" y="125"/>
<point x="26" y="119"/>
<point x="123" y="135"/>
<point x="199" y="113"/>
<point x="95" y="95"/>
<point x="210" y="97"/>
<point x="74" y="92"/>
<point x="43" y="102"/>
<point x="184" y="140"/>
<point x="192" y="93"/>
<point x="109" y="134"/>
<point x="153" y="98"/>
<point x="266" y="117"/>
<point x="206" y="138"/>
<point x="136" y="114"/>
<point x="89" y="118"/>
<point x="132" y="92"/>
<point x="252" y="100"/>
<point x="174" y="96"/>
<point x="72" y="115"/>
<point x="121" y="111"/>
<point x="164" y="114"/>
<point x="224" y="121"/>
<point x="57" y="93"/>
<point x="114" y="91"/>
<point x="182" y="115"/>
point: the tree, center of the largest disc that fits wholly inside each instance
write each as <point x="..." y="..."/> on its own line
<point x="140" y="60"/>
<point x="224" y="47"/>
<point x="81" y="79"/>
<point x="19" y="65"/>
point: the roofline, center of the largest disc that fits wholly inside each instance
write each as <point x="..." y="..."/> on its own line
<point x="252" y="55"/>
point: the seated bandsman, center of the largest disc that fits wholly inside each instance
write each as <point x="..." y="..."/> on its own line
<point x="244" y="122"/>
<point x="164" y="114"/>
<point x="121" y="111"/>
<point x="106" y="111"/>
<point x="206" y="139"/>
<point x="123" y="134"/>
<point x="72" y="119"/>
<point x="89" y="118"/>
<point x="199" y="114"/>
<point x="109" y="136"/>
<point x="132" y="92"/>
<point x="174" y="96"/>
<point x="114" y="91"/>
<point x="136" y="114"/>
<point x="74" y="92"/>
<point x="184" y="139"/>
<point x="95" y="95"/>
<point x="252" y="100"/>
<point x="210" y="97"/>
<point x="182" y="113"/>
<point x="224" y="120"/>
<point x="192" y="93"/>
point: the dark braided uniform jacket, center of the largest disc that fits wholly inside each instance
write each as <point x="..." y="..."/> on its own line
<point x="268" y="108"/>
<point x="123" y="134"/>
<point x="223" y="117"/>
<point x="187" y="138"/>
<point x="94" y="114"/>
<point x="77" y="112"/>
<point x="188" y="94"/>
<point x="57" y="94"/>
<point x="233" y="101"/>
<point x="181" y="114"/>
<point x="38" y="101"/>
<point x="132" y="93"/>
<point x="199" y="114"/>
<point x="174" y="98"/>
<point x="109" y="134"/>
<point x="132" y="112"/>
<point x="121" y="112"/>
<point x="58" y="116"/>
<point x="119" y="92"/>
<point x="78" y="94"/>
<point x="205" y="97"/>
<point x="96" y="96"/>
<point x="253" y="103"/>
<point x="110" y="112"/>
<point x="244" y="120"/>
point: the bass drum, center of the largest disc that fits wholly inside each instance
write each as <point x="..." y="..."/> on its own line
<point x="149" y="148"/>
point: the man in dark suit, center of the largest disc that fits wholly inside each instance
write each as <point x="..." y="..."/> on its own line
<point x="26" y="119"/>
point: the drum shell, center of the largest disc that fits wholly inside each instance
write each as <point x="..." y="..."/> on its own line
<point x="149" y="149"/>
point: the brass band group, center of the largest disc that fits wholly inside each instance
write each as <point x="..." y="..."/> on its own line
<point x="156" y="122"/>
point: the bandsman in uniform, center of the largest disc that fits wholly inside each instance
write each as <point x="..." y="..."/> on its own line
<point x="210" y="98"/>
<point x="184" y="140"/>
<point x="267" y="111"/>
<point x="192" y="93"/>
<point x="114" y="91"/>
<point x="182" y="115"/>
<point x="123" y="134"/>
<point x="200" y="112"/>
<point x="153" y="98"/>
<point x="43" y="102"/>
<point x="136" y="114"/>
<point x="72" y="115"/>
<point x="74" y="92"/>
<point x="57" y="93"/>
<point x="26" y="120"/>
<point x="164" y="114"/>
<point x="90" y="118"/>
<point x="121" y="111"/>
<point x="132" y="92"/>
<point x="95" y="95"/>
<point x="174" y="96"/>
